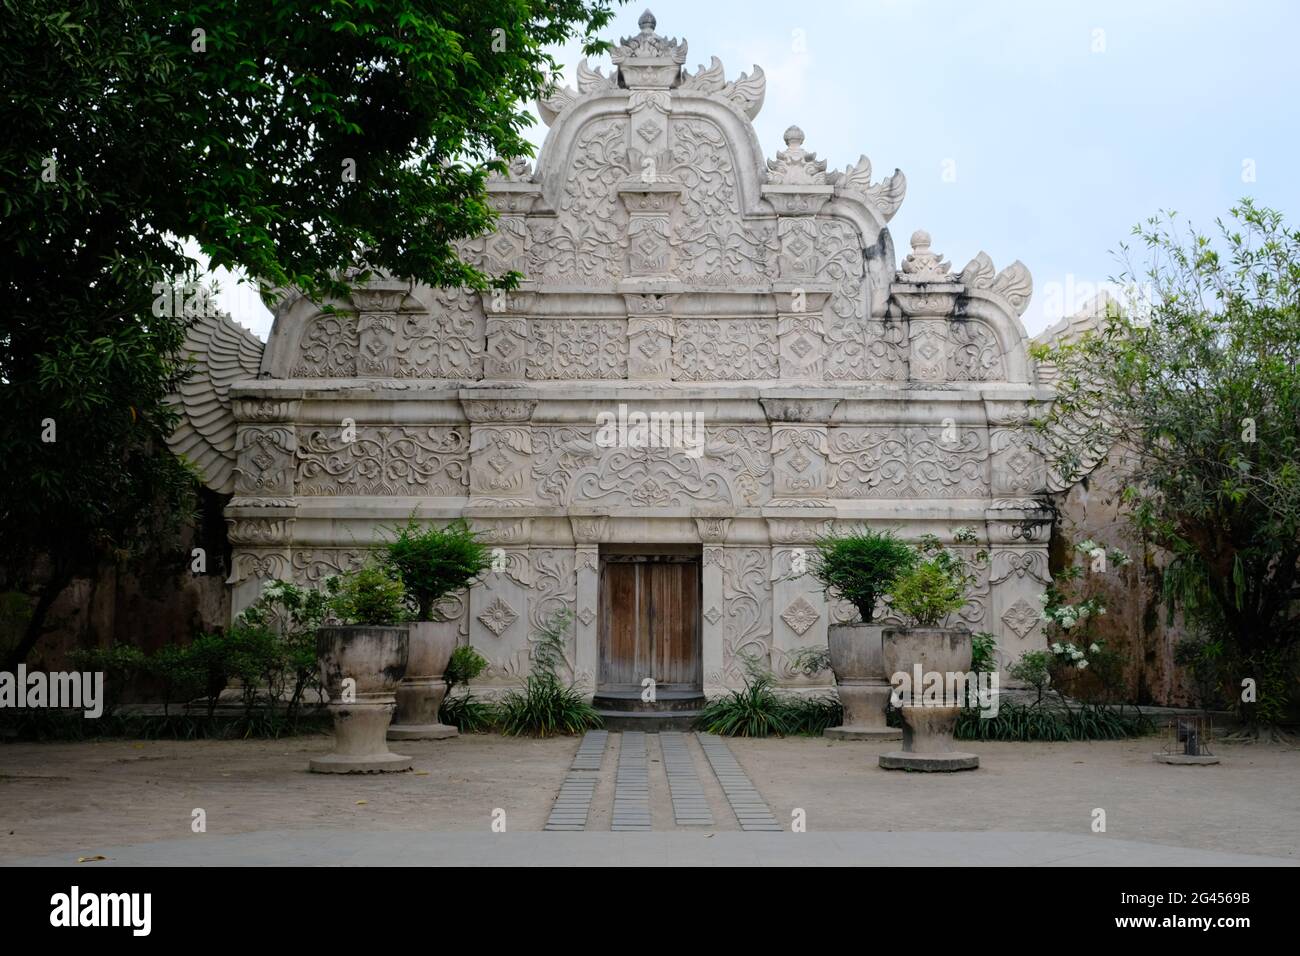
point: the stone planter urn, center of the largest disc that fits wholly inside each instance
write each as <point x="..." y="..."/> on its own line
<point x="422" y="690"/>
<point x="374" y="657"/>
<point x="927" y="728"/>
<point x="857" y="659"/>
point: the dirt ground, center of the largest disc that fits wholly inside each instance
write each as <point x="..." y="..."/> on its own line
<point x="78" y="797"/>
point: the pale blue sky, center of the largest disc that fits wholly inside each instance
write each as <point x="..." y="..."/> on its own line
<point x="1064" y="122"/>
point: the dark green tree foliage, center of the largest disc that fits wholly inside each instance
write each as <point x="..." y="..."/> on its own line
<point x="293" y="139"/>
<point x="1199" y="395"/>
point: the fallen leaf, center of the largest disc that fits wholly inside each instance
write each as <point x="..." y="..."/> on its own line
<point x="361" y="803"/>
<point x="422" y="773"/>
<point x="91" y="859"/>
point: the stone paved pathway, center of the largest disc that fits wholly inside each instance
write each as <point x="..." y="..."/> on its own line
<point x="690" y="805"/>
<point x="636" y="777"/>
<point x="750" y="808"/>
<point x="632" y="785"/>
<point x="573" y="802"/>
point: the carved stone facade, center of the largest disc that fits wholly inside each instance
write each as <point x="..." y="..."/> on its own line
<point x="673" y="270"/>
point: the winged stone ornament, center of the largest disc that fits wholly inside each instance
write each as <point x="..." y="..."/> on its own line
<point x="221" y="352"/>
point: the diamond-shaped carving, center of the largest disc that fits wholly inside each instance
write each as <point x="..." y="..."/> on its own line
<point x="801" y="347"/>
<point x="499" y="462"/>
<point x="928" y="349"/>
<point x="649" y="130"/>
<point x="712" y="615"/>
<point x="586" y="616"/>
<point x="498" y="616"/>
<point x="1021" y="617"/>
<point x="1018" y="462"/>
<point x="800" y="462"/>
<point x="800" y="615"/>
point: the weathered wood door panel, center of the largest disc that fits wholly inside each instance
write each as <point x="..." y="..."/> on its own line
<point x="650" y="622"/>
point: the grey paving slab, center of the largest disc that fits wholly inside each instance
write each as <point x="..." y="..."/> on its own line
<point x="631" y="785"/>
<point x="751" y="810"/>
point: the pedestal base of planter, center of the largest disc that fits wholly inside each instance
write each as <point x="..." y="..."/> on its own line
<point x="863" y="733"/>
<point x="929" y="763"/>
<point x="421" y="732"/>
<point x="1187" y="760"/>
<point x="365" y="763"/>
<point x="928" y="742"/>
<point x="360" y="746"/>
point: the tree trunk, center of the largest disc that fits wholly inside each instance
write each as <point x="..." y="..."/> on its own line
<point x="36" y="624"/>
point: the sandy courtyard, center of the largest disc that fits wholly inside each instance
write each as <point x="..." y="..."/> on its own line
<point x="77" y="798"/>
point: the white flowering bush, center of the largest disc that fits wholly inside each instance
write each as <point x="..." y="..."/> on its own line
<point x="1070" y="611"/>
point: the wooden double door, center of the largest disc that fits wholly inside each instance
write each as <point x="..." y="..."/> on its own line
<point x="650" y="623"/>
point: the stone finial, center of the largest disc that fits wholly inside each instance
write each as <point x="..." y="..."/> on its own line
<point x="922" y="265"/>
<point x="649" y="61"/>
<point x="648" y="44"/>
<point x="794" y="165"/>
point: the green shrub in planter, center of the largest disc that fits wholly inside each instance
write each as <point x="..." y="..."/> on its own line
<point x="937" y="584"/>
<point x="434" y="562"/>
<point x="860" y="567"/>
<point x="371" y="595"/>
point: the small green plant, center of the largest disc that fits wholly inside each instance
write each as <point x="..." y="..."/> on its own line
<point x="1017" y="722"/>
<point x="372" y="595"/>
<point x="466" y="664"/>
<point x="937" y="584"/>
<point x="810" y="716"/>
<point x="811" y="661"/>
<point x="860" y="567"/>
<point x="464" y="711"/>
<point x="1035" y="669"/>
<point x="756" y="710"/>
<point x="984" y="652"/>
<point x="434" y="562"/>
<point x="546" y="705"/>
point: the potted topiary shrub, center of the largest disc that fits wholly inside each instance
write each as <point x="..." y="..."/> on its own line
<point x="925" y="658"/>
<point x="860" y="567"/>
<point x="432" y="563"/>
<point x="362" y="660"/>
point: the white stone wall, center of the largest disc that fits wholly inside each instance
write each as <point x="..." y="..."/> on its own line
<point x="670" y="267"/>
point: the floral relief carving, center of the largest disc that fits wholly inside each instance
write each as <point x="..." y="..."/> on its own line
<point x="383" y="460"/>
<point x="1019" y="564"/>
<point x="1021" y="617"/>
<point x="444" y="342"/>
<point x="748" y="600"/>
<point x="725" y="349"/>
<point x="976" y="355"/>
<point x="498" y="616"/>
<point x="800" y="615"/>
<point x="313" y="566"/>
<point x="583" y="243"/>
<point x="734" y="469"/>
<point x="264" y="460"/>
<point x="554" y="590"/>
<point x="907" y="462"/>
<point x="329" y="348"/>
<point x="577" y="349"/>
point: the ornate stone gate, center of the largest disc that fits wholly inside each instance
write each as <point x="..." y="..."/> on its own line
<point x="671" y="268"/>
